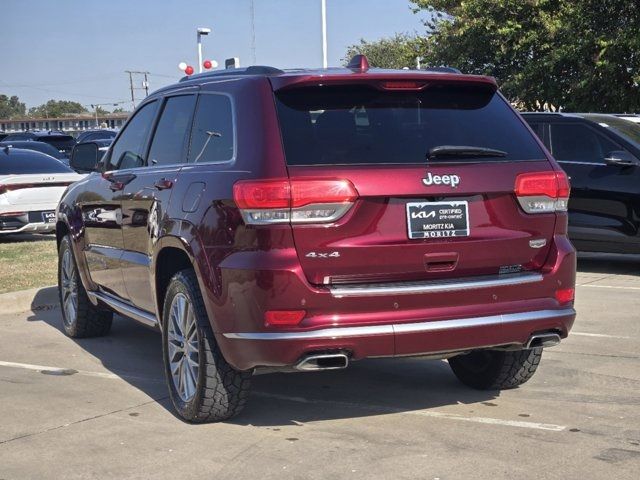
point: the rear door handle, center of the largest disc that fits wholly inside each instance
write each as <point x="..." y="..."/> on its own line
<point x="163" y="184"/>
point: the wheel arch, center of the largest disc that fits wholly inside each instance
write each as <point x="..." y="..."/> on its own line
<point x="173" y="254"/>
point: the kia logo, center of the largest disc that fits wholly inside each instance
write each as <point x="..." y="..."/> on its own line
<point x="429" y="179"/>
<point x="423" y="214"/>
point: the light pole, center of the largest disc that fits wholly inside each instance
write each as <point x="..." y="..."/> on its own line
<point x="201" y="32"/>
<point x="324" y="33"/>
<point x="96" y="106"/>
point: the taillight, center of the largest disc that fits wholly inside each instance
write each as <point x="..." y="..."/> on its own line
<point x="264" y="202"/>
<point x="543" y="192"/>
<point x="12" y="214"/>
<point x="10" y="187"/>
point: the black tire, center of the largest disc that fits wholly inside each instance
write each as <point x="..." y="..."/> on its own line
<point x="496" y="369"/>
<point x="220" y="391"/>
<point x="86" y="320"/>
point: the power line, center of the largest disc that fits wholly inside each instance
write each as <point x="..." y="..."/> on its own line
<point x="55" y="84"/>
<point x="162" y="75"/>
<point x="59" y="92"/>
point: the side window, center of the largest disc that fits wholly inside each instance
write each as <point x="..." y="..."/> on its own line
<point x="167" y="147"/>
<point x="128" y="151"/>
<point x="579" y="143"/>
<point x="538" y="129"/>
<point x="212" y="134"/>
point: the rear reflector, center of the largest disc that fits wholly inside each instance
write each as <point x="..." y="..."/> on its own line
<point x="265" y="202"/>
<point x="566" y="295"/>
<point x="282" y="318"/>
<point x="543" y="192"/>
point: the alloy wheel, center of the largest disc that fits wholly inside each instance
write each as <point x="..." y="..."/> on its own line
<point x="69" y="288"/>
<point x="182" y="347"/>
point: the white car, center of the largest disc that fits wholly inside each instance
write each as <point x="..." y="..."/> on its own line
<point x="631" y="118"/>
<point x="31" y="184"/>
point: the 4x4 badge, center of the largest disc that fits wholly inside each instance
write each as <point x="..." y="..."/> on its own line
<point x="429" y="179"/>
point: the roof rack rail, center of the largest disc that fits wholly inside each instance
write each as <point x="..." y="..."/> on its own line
<point x="229" y="72"/>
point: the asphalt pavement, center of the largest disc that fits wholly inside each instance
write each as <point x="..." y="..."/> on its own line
<point x="98" y="408"/>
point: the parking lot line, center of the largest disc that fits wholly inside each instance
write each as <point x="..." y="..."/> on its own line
<point x="70" y="371"/>
<point x="590" y="285"/>
<point x="598" y="335"/>
<point x="421" y="413"/>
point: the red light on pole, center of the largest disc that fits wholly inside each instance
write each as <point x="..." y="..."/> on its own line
<point x="207" y="64"/>
<point x="189" y="70"/>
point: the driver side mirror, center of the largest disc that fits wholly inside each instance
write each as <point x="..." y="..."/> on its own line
<point x="85" y="157"/>
<point x="621" y="158"/>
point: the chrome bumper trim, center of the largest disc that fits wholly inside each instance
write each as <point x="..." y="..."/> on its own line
<point x="433" y="286"/>
<point x="125" y="309"/>
<point x="391" y="329"/>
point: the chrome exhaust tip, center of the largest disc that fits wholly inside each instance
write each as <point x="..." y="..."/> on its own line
<point x="543" y="340"/>
<point x="323" y="361"/>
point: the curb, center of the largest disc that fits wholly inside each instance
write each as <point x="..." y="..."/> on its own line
<point x="32" y="300"/>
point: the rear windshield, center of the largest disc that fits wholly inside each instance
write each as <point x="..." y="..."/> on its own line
<point x="364" y="125"/>
<point x="23" y="163"/>
<point x="59" y="141"/>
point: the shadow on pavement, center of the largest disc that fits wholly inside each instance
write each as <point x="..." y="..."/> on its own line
<point x="609" y="263"/>
<point x="45" y="299"/>
<point x="366" y="388"/>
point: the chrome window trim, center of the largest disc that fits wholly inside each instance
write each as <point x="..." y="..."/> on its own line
<point x="402" y="328"/>
<point x="582" y="163"/>
<point x="234" y="126"/>
<point x="432" y="286"/>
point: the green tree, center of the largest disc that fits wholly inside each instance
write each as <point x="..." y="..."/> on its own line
<point x="57" y="109"/>
<point x="579" y="55"/>
<point x="398" y="51"/>
<point x="11" y="107"/>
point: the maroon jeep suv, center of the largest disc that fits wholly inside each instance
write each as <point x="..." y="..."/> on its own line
<point x="304" y="219"/>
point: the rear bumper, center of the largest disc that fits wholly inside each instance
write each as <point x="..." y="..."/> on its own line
<point x="250" y="349"/>
<point x="30" y="228"/>
<point x="28" y="220"/>
<point x="428" y="318"/>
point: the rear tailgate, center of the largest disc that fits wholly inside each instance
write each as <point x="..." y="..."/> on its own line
<point x="63" y="143"/>
<point x="413" y="219"/>
<point x="371" y="243"/>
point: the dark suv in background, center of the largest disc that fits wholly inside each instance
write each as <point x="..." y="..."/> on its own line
<point x="61" y="141"/>
<point x="305" y="219"/>
<point x="601" y="155"/>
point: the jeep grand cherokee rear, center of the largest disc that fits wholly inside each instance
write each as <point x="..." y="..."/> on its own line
<point x="334" y="216"/>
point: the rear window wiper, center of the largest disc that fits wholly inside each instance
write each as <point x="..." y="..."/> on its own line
<point x="462" y="151"/>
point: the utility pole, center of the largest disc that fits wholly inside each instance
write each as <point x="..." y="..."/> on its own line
<point x="145" y="85"/>
<point x="324" y="33"/>
<point x="133" y="99"/>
